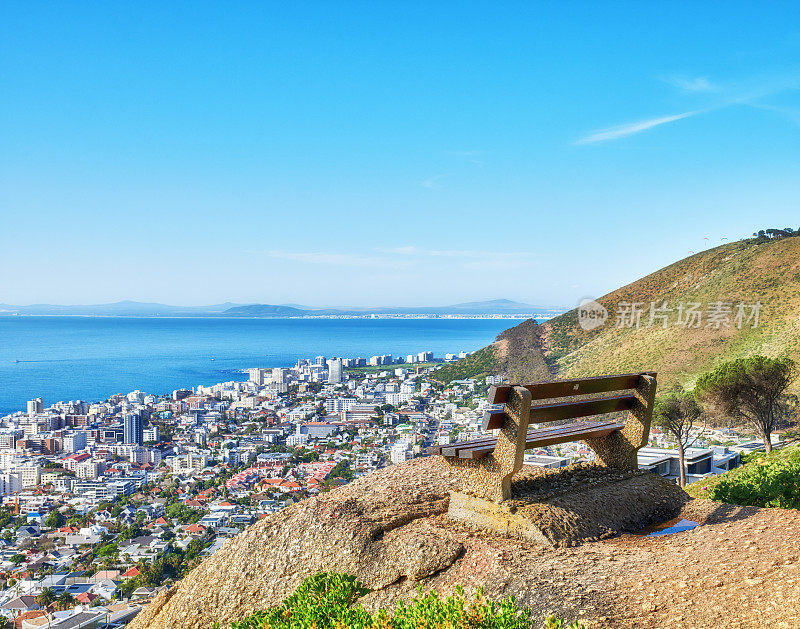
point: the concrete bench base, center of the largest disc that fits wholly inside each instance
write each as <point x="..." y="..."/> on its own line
<point x="600" y="510"/>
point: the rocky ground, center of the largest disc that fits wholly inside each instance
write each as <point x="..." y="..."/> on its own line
<point x="740" y="568"/>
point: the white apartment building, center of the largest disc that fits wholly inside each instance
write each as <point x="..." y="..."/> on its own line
<point x="29" y="475"/>
<point x="339" y="404"/>
<point x="139" y="456"/>
<point x="74" y="442"/>
<point x="189" y="462"/>
<point x="87" y="470"/>
<point x="400" y="453"/>
<point x="335" y="371"/>
<point x="9" y="484"/>
<point x="295" y="440"/>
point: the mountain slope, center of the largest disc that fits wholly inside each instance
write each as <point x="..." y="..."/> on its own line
<point x="747" y="271"/>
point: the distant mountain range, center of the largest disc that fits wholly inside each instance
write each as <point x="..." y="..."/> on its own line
<point x="119" y="309"/>
<point x="228" y="309"/>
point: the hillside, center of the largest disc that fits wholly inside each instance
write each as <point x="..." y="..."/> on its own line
<point x="747" y="271"/>
<point x="740" y="567"/>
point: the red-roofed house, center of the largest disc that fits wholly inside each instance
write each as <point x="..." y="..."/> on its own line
<point x="86" y="597"/>
<point x="131" y="572"/>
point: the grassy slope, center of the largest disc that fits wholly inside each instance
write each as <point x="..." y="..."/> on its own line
<point x="477" y="365"/>
<point x="742" y="271"/>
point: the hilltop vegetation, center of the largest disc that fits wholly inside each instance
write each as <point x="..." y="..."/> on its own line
<point x="330" y="601"/>
<point x="477" y="365"/>
<point x="762" y="270"/>
<point x="766" y="480"/>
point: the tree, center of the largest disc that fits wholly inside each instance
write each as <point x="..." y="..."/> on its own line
<point x="751" y="389"/>
<point x="55" y="519"/>
<point x="17" y="558"/>
<point x="65" y="600"/>
<point x="676" y="413"/>
<point x="45" y="598"/>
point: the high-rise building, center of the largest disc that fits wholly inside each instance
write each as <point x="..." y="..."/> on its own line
<point x="279" y="375"/>
<point x="132" y="429"/>
<point x="35" y="406"/>
<point x="319" y="360"/>
<point x="74" y="442"/>
<point x="335" y="371"/>
<point x="257" y="376"/>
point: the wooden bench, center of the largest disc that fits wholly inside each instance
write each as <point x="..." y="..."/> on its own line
<point x="489" y="463"/>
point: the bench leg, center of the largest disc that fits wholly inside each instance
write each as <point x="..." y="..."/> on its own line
<point x="490" y="476"/>
<point x="618" y="450"/>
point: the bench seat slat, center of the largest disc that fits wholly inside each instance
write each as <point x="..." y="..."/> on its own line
<point x="566" y="410"/>
<point x="454" y="448"/>
<point x="535" y="438"/>
<point x="579" y="432"/>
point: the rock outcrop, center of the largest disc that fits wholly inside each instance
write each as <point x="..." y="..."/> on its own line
<point x="390" y="530"/>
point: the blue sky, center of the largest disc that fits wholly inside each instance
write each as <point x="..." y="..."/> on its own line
<point x="385" y="153"/>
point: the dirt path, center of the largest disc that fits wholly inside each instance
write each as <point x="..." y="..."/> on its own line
<point x="739" y="569"/>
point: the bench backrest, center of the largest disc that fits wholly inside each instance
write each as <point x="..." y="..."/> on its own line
<point x="572" y="409"/>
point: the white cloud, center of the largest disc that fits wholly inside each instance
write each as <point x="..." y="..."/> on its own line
<point x="696" y="84"/>
<point x="326" y="258"/>
<point x="745" y="92"/>
<point x="411" y="250"/>
<point x="432" y="182"/>
<point x="631" y="128"/>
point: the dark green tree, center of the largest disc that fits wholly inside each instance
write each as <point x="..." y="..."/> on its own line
<point x="46" y="597"/>
<point x="750" y="389"/>
<point x="55" y="520"/>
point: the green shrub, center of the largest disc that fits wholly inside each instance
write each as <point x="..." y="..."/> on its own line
<point x="328" y="601"/>
<point x="771" y="480"/>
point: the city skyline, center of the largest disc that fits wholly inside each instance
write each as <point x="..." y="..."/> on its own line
<point x="381" y="155"/>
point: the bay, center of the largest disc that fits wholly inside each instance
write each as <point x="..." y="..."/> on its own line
<point x="90" y="358"/>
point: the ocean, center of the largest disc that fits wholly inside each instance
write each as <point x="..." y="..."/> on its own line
<point x="91" y="358"/>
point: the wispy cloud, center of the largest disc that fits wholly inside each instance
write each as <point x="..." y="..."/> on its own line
<point x="326" y="258"/>
<point x="432" y="182"/>
<point x="623" y="130"/>
<point x="793" y="115"/>
<point x="470" y="156"/>
<point x="411" y="250"/>
<point x="694" y="84"/>
<point x="743" y="92"/>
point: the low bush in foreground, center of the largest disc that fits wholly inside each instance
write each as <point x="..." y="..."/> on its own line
<point x="766" y="480"/>
<point x="329" y="601"/>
